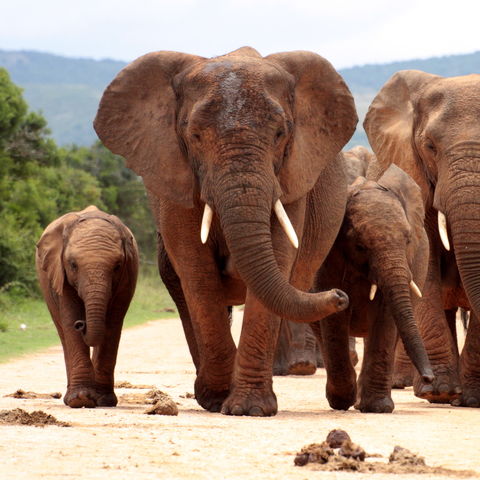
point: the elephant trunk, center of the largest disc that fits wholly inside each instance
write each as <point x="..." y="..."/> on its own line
<point x="397" y="291"/>
<point x="96" y="299"/>
<point x="463" y="217"/>
<point x="244" y="206"/>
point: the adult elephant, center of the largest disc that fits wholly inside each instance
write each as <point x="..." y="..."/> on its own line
<point x="230" y="140"/>
<point x="429" y="126"/>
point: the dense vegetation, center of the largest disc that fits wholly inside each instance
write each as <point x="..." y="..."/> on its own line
<point x="67" y="90"/>
<point x="40" y="181"/>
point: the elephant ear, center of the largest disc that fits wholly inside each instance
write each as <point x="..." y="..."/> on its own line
<point x="389" y="125"/>
<point x="130" y="248"/>
<point x="136" y="118"/>
<point x="50" y="250"/>
<point x="324" y="117"/>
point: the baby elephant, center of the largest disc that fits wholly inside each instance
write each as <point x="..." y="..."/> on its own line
<point x="87" y="265"/>
<point x="379" y="259"/>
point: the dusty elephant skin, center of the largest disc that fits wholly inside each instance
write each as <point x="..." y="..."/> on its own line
<point x="221" y="144"/>
<point x="380" y="259"/>
<point x="428" y="125"/>
<point x="87" y="265"/>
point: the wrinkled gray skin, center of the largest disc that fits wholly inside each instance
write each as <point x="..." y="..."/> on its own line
<point x="236" y="132"/>
<point x="429" y="126"/>
<point x="87" y="264"/>
<point x="382" y="241"/>
<point x="298" y="352"/>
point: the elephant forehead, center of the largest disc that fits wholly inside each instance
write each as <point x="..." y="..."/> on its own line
<point x="95" y="234"/>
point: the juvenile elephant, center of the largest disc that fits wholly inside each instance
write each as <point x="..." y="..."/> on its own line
<point x="87" y="264"/>
<point x="298" y="351"/>
<point x="429" y="126"/>
<point x="379" y="258"/>
<point x="227" y="148"/>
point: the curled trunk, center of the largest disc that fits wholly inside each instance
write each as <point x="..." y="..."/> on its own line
<point x="245" y="210"/>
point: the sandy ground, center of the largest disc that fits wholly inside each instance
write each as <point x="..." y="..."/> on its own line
<point x="125" y="443"/>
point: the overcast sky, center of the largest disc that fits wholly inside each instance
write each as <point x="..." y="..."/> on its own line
<point x="346" y="32"/>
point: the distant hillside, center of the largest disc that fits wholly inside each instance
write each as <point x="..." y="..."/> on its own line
<point x="67" y="90"/>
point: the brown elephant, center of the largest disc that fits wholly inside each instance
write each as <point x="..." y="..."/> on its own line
<point x="87" y="264"/>
<point x="429" y="126"/>
<point x="222" y="144"/>
<point x="298" y="352"/>
<point x="382" y="245"/>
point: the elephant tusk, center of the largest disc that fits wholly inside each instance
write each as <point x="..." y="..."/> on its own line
<point x="442" y="228"/>
<point x="415" y="289"/>
<point x="373" y="291"/>
<point x="206" y="223"/>
<point x="285" y="223"/>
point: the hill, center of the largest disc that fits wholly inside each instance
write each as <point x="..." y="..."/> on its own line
<point x="67" y="90"/>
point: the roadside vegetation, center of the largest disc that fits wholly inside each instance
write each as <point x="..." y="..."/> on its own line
<point x="39" y="182"/>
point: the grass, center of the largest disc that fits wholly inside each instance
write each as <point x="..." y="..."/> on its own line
<point x="151" y="301"/>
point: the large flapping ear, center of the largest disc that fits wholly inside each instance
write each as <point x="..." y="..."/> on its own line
<point x="50" y="250"/>
<point x="324" y="118"/>
<point x="389" y="125"/>
<point x="136" y="119"/>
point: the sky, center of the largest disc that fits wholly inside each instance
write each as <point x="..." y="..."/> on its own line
<point x="346" y="32"/>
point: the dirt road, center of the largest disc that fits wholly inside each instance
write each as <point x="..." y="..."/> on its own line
<point x="125" y="443"/>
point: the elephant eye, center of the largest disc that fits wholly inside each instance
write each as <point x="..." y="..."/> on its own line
<point x="73" y="265"/>
<point x="280" y="133"/>
<point x="431" y="146"/>
<point x="117" y="267"/>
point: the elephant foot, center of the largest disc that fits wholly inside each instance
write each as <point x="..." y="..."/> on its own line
<point x="302" y="368"/>
<point x="80" y="396"/>
<point x="444" y="389"/>
<point x="209" y="399"/>
<point x="402" y="380"/>
<point x="251" y="402"/>
<point x="106" y="397"/>
<point x="341" y="399"/>
<point x="470" y="397"/>
<point x="376" y="405"/>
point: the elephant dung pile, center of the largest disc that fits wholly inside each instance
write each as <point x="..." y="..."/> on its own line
<point x="161" y="403"/>
<point x="18" y="416"/>
<point x="338" y="452"/>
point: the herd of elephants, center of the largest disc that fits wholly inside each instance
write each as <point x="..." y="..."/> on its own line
<point x="257" y="203"/>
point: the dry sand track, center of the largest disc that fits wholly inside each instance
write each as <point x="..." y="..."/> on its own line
<point x="124" y="443"/>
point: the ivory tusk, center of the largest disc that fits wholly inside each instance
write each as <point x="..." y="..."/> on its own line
<point x="442" y="228"/>
<point x="206" y="223"/>
<point x="415" y="289"/>
<point x="285" y="223"/>
<point x="373" y="291"/>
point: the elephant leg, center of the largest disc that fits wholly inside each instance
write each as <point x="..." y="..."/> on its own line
<point x="341" y="388"/>
<point x="302" y="355"/>
<point x="280" y="361"/>
<point x="402" y="367"/>
<point x="375" y="380"/>
<point x="81" y="390"/>
<point x="174" y="287"/>
<point x="252" y="387"/>
<point x="296" y="352"/>
<point x="441" y="350"/>
<point x="470" y="366"/>
<point x="104" y="359"/>
<point x="353" y="350"/>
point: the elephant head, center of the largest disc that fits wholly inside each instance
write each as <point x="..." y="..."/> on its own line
<point x="237" y="133"/>
<point x="384" y="238"/>
<point x="429" y="126"/>
<point x="88" y="253"/>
